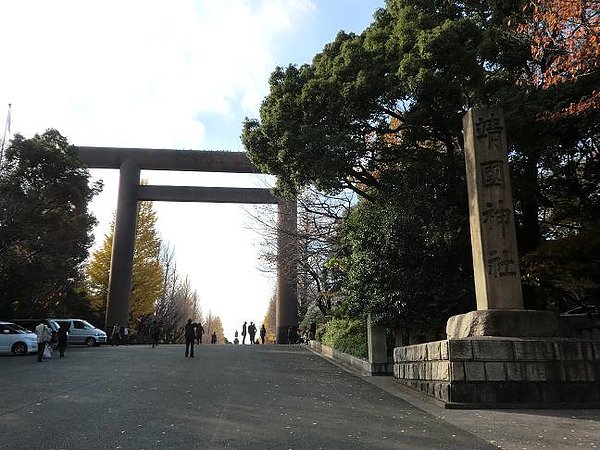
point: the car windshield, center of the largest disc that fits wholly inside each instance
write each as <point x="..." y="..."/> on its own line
<point x="17" y="329"/>
<point x="87" y="324"/>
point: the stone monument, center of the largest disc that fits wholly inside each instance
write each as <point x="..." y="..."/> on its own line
<point x="493" y="235"/>
<point x="499" y="355"/>
<point x="494" y="239"/>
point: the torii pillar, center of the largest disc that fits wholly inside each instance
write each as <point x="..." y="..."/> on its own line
<point x="121" y="261"/>
<point x="286" y="317"/>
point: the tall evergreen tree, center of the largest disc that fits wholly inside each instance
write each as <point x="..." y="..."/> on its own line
<point x="45" y="225"/>
<point x="380" y="113"/>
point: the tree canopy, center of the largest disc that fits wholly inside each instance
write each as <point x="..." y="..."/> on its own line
<point x="337" y="122"/>
<point x="380" y="113"/>
<point x="565" y="44"/>
<point x="45" y="225"/>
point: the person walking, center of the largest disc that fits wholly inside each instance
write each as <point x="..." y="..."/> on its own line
<point x="63" y="337"/>
<point x="244" y="331"/>
<point x="190" y="336"/>
<point x="252" y="332"/>
<point x="154" y="333"/>
<point x="305" y="338"/>
<point x="126" y="335"/>
<point x="213" y="338"/>
<point x="263" y="334"/>
<point x="312" y="331"/>
<point x="199" y="333"/>
<point x="44" y="335"/>
<point x="115" y="336"/>
<point x="291" y="336"/>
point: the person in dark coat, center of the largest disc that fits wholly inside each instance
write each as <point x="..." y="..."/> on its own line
<point x="199" y="333"/>
<point x="63" y="337"/>
<point x="263" y="334"/>
<point x="244" y="333"/>
<point x="291" y="335"/>
<point x="312" y="331"/>
<point x="154" y="333"/>
<point x="115" y="337"/>
<point x="190" y="336"/>
<point x="252" y="332"/>
<point x="213" y="338"/>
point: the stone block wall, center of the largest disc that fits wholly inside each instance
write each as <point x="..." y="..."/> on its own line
<point x="496" y="371"/>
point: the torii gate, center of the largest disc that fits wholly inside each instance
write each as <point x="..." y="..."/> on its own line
<point x="130" y="161"/>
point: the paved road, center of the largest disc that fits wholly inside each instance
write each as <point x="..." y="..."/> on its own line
<point x="247" y="397"/>
<point x="250" y="397"/>
<point x="523" y="429"/>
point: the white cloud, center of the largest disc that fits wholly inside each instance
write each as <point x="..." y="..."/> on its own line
<point x="137" y="73"/>
<point x="145" y="74"/>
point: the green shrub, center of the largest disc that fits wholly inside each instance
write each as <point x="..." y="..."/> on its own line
<point x="346" y="335"/>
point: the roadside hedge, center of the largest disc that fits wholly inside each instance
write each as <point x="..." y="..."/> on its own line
<point x="346" y="335"/>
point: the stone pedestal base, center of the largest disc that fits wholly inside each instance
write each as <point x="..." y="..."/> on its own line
<point x="507" y="323"/>
<point x="495" y="372"/>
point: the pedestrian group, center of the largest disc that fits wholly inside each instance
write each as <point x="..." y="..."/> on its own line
<point x="193" y="333"/>
<point x="45" y="340"/>
<point x="250" y="331"/>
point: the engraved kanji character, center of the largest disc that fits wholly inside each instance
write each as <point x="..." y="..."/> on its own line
<point x="480" y="127"/>
<point x="495" y="141"/>
<point x="490" y="128"/>
<point x="492" y="173"/>
<point x="493" y="216"/>
<point x="501" y="265"/>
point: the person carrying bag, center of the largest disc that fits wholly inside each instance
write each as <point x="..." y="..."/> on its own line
<point x="47" y="336"/>
<point x="44" y="338"/>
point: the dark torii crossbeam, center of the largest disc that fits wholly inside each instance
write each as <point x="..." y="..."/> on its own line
<point x="130" y="161"/>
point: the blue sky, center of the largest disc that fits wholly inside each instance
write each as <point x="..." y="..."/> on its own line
<point x="312" y="29"/>
<point x="168" y="75"/>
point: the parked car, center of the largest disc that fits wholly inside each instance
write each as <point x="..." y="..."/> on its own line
<point x="82" y="332"/>
<point x="30" y="325"/>
<point x="16" y="340"/>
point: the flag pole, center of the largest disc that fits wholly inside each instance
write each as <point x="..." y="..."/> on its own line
<point x="6" y="133"/>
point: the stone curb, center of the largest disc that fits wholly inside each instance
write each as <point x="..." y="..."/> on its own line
<point x="351" y="362"/>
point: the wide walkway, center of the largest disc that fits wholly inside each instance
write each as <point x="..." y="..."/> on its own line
<point x="254" y="397"/>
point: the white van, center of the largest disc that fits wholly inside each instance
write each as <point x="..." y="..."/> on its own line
<point x="83" y="332"/>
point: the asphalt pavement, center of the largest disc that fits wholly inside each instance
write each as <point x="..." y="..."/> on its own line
<point x="240" y="397"/>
